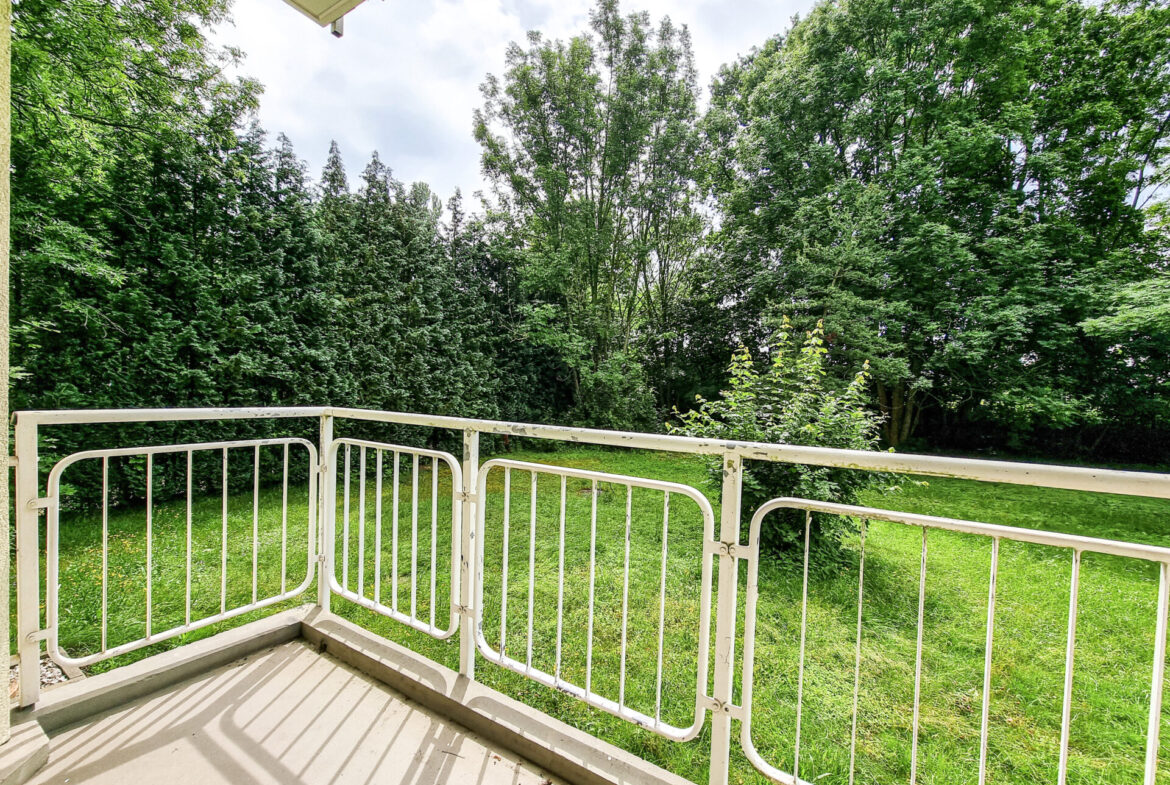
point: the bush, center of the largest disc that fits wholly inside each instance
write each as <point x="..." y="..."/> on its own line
<point x="785" y="400"/>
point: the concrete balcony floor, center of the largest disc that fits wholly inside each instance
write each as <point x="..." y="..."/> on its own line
<point x="284" y="715"/>
<point x="301" y="698"/>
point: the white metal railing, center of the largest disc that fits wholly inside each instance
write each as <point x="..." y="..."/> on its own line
<point x="373" y="600"/>
<point x="585" y="692"/>
<point x="1076" y="545"/>
<point x="52" y="503"/>
<point x="466" y="525"/>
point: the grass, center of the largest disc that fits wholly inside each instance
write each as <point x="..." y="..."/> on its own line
<point x="1115" y="623"/>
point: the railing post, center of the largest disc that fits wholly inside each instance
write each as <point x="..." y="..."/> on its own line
<point x="327" y="502"/>
<point x="467" y="556"/>
<point x="729" y="515"/>
<point x="28" y="562"/>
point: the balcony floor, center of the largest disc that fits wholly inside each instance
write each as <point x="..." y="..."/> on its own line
<point x="284" y="715"/>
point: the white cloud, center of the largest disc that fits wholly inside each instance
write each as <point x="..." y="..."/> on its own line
<point x="405" y="78"/>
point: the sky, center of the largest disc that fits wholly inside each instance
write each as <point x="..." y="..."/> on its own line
<point x="404" y="80"/>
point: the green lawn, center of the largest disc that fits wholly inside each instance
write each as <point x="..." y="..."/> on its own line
<point x="1115" y="622"/>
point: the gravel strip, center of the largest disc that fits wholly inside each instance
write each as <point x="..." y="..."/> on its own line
<point x="50" y="674"/>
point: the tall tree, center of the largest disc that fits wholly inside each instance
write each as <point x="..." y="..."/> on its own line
<point x="591" y="144"/>
<point x="97" y="88"/>
<point x="948" y="185"/>
<point x="407" y="328"/>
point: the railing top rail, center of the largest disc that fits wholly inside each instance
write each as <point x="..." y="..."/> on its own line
<point x="96" y="416"/>
<point x="1037" y="536"/>
<point x="1075" y="478"/>
<point x="1148" y="484"/>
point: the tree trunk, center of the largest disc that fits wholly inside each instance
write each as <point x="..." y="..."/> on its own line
<point x="901" y="413"/>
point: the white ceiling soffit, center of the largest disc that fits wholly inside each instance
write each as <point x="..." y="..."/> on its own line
<point x="324" y="12"/>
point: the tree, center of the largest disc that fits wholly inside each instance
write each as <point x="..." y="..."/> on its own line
<point x="1135" y="325"/>
<point x="407" y="331"/>
<point x="947" y="186"/>
<point x="591" y="145"/>
<point x="96" y="88"/>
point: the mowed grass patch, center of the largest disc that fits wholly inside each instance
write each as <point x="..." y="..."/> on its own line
<point x="1113" y="656"/>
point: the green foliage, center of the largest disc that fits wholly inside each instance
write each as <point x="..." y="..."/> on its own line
<point x="405" y="335"/>
<point x="1141" y="308"/>
<point x="790" y="401"/>
<point x="1134" y="322"/>
<point x="964" y="193"/>
<point x="953" y="188"/>
<point x="592" y="147"/>
<point x="165" y="254"/>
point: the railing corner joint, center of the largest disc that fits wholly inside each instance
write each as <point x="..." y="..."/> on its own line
<point x="38" y="635"/>
<point x="733" y="550"/>
<point x="716" y="706"/>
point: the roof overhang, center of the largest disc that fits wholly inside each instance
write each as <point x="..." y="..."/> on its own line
<point x="324" y="12"/>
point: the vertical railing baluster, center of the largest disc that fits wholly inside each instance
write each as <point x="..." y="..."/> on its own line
<point x="454" y="579"/>
<point x="918" y="662"/>
<point x="28" y="559"/>
<point x="1158" y="679"/>
<point x="224" y="539"/>
<point x="592" y="582"/>
<point x="149" y="542"/>
<point x="378" y="528"/>
<point x="662" y="606"/>
<point x="106" y="551"/>
<point x="1069" y="654"/>
<point x="315" y="560"/>
<point x="361" y="554"/>
<point x="984" y="723"/>
<point x="413" y="535"/>
<point x="504" y="567"/>
<point x="187" y="591"/>
<point x="531" y="565"/>
<point x="326" y="481"/>
<point x="394" y="533"/>
<point x="625" y="600"/>
<point x="255" y="521"/>
<point x="560" y="585"/>
<point x="345" y="523"/>
<point x="434" y="530"/>
<point x="803" y="639"/>
<point x="857" y="655"/>
<point x="467" y="583"/>
<point x="284" y="524"/>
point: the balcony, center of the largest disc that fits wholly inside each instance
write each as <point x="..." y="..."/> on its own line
<point x="302" y="696"/>
<point x="317" y="609"/>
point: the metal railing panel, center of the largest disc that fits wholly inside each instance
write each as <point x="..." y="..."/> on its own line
<point x="404" y="610"/>
<point x="556" y="679"/>
<point x="52" y="504"/>
<point x="1077" y="544"/>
